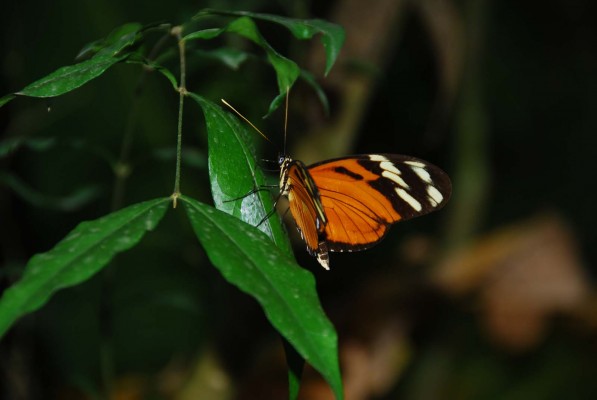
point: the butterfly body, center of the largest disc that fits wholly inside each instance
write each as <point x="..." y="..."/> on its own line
<point x="349" y="203"/>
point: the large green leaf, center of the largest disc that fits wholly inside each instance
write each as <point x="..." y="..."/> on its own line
<point x="286" y="70"/>
<point x="332" y="35"/>
<point x="81" y="254"/>
<point x="234" y="172"/>
<point x="247" y="259"/>
<point x="66" y="79"/>
<point x="233" y="169"/>
<point x="106" y="52"/>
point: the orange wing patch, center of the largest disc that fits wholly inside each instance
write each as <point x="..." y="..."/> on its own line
<point x="358" y="215"/>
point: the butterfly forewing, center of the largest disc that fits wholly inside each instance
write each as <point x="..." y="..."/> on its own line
<point x="363" y="195"/>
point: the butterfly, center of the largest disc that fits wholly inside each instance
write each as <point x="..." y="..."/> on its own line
<point x="348" y="204"/>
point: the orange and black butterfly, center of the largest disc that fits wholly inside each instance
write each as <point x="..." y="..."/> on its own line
<point x="348" y="204"/>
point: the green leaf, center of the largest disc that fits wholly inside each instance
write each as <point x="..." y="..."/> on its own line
<point x="332" y="35"/>
<point x="246" y="258"/>
<point x="205" y="34"/>
<point x="232" y="167"/>
<point x="286" y="70"/>
<point x="81" y="254"/>
<point x="119" y="39"/>
<point x="6" y="99"/>
<point x="310" y="80"/>
<point x="234" y="173"/>
<point x="153" y="66"/>
<point x="275" y="103"/>
<point x="66" y="79"/>
<point x="71" y="202"/>
<point x="167" y="73"/>
<point x="295" y="363"/>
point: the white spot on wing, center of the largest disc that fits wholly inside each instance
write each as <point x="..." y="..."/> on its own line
<point x="432" y="202"/>
<point x="409" y="199"/>
<point x="395" y="178"/>
<point x="434" y="195"/>
<point x="389" y="166"/>
<point x="415" y="164"/>
<point x="422" y="173"/>
<point x="377" y="157"/>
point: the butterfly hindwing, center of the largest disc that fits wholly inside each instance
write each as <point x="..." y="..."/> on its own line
<point x="305" y="207"/>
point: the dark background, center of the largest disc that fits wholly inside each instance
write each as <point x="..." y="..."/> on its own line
<point x="492" y="297"/>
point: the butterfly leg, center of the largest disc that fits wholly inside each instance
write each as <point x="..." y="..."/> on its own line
<point x="252" y="191"/>
<point x="270" y="212"/>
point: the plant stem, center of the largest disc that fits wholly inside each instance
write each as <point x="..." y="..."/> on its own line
<point x="182" y="90"/>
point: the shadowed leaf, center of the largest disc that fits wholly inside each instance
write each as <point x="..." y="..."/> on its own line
<point x="81" y="254"/>
<point x="332" y="35"/>
<point x="286" y="70"/>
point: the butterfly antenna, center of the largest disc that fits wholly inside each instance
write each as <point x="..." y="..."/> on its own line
<point x="247" y="121"/>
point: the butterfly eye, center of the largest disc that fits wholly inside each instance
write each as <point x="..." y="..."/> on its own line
<point x="281" y="159"/>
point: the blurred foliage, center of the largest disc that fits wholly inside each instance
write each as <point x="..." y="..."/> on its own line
<point x="491" y="298"/>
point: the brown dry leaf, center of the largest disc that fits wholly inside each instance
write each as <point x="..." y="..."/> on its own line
<point x="524" y="274"/>
<point x="369" y="368"/>
<point x="207" y="379"/>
